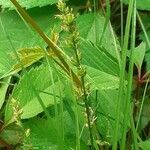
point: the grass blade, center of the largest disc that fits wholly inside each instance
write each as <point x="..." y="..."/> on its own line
<point x="51" y="44"/>
<point x="122" y="73"/>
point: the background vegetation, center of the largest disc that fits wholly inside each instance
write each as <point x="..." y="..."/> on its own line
<point x="74" y="74"/>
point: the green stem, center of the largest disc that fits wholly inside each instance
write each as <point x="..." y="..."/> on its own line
<point x="77" y="126"/>
<point x="144" y="30"/>
<point x="121" y="5"/>
<point x="85" y="97"/>
<point x="122" y="74"/>
<point x="51" y="44"/>
<point x="79" y="67"/>
<point x="130" y="78"/>
<point x="76" y="121"/>
<point x="106" y="20"/>
<point x="61" y="126"/>
<point x="135" y="135"/>
<point x="141" y="107"/>
<point x="87" y="112"/>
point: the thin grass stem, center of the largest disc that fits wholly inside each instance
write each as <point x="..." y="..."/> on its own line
<point x="130" y="79"/>
<point x="122" y="74"/>
<point x="142" y="103"/>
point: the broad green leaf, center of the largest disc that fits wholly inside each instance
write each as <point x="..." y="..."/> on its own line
<point x="91" y="27"/>
<point x="138" y="54"/>
<point x="141" y="4"/>
<point x="145" y="145"/>
<point x="27" y="57"/>
<point x="105" y="105"/>
<point x="98" y="58"/>
<point x="27" y="3"/>
<point x="32" y="107"/>
<point x="100" y="80"/>
<point x="3" y="89"/>
<point x="12" y="134"/>
<point x="44" y="134"/>
<point x="23" y="93"/>
<point x="74" y="114"/>
<point x="106" y="86"/>
<point x="41" y="135"/>
<point x="20" y="35"/>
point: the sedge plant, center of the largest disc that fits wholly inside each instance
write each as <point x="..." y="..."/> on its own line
<point x="80" y="89"/>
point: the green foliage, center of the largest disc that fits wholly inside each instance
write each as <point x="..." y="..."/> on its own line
<point x="44" y="135"/>
<point x="139" y="53"/>
<point x="12" y="134"/>
<point x="106" y="114"/>
<point x="24" y="94"/>
<point x="27" y="3"/>
<point x="93" y="27"/>
<point x="27" y="57"/>
<point x="146" y="22"/>
<point x="21" y="37"/>
<point x="101" y="80"/>
<point x="100" y="59"/>
<point x="80" y="48"/>
<point x="147" y="60"/>
<point x="145" y="117"/>
<point x="3" y="89"/>
<point x="142" y="5"/>
<point x="145" y="145"/>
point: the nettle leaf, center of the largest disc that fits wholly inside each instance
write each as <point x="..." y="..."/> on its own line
<point x="139" y="53"/>
<point x="24" y="94"/>
<point x="103" y="76"/>
<point x="98" y="58"/>
<point x="12" y="134"/>
<point x="20" y="35"/>
<point x="3" y="89"/>
<point x="105" y="104"/>
<point x="91" y="27"/>
<point x="145" y="145"/>
<point x="44" y="134"/>
<point x="142" y="5"/>
<point x="100" y="80"/>
<point x="27" y="3"/>
<point x="27" y="57"/>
